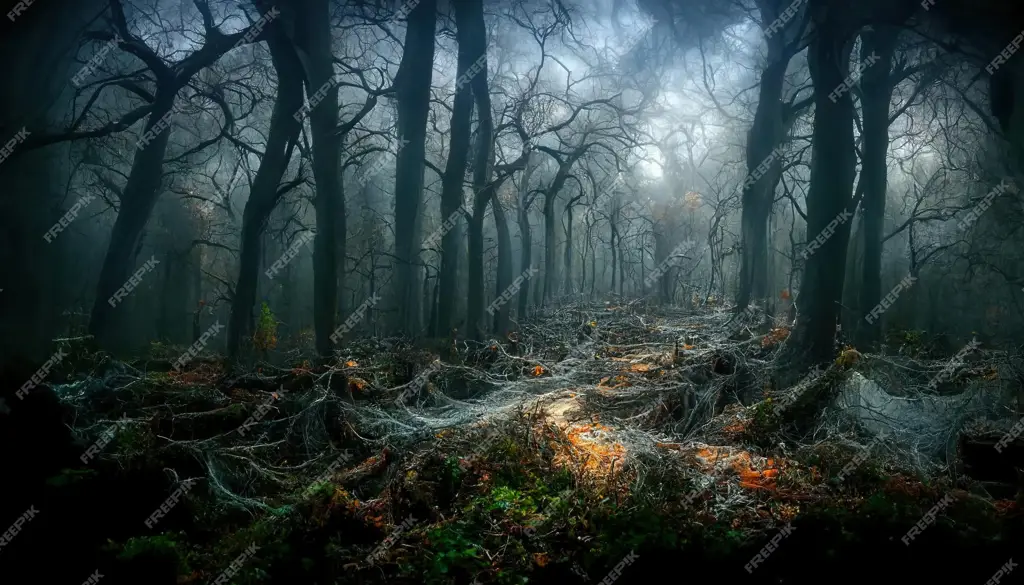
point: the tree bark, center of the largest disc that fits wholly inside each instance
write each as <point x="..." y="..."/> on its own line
<point x="504" y="276"/>
<point x="526" y="239"/>
<point x="764" y="136"/>
<point x="142" y="188"/>
<point x="876" y="91"/>
<point x="412" y="85"/>
<point x="831" y="189"/>
<point x="483" y="162"/>
<point x="550" y="243"/>
<point x="567" y="289"/>
<point x="454" y="175"/>
<point x="313" y="37"/>
<point x="139" y="197"/>
<point x="550" y="196"/>
<point x="284" y="130"/>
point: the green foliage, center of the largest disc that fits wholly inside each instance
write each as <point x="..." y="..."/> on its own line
<point x="265" y="337"/>
<point x="166" y="548"/>
<point x="321" y="490"/>
<point x="452" y="548"/>
<point x="158" y="349"/>
<point x="512" y="502"/>
<point x="764" y="414"/>
<point x="135" y="441"/>
<point x="907" y="341"/>
<point x="452" y="473"/>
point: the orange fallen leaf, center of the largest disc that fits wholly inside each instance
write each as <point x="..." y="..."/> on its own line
<point x="775" y="336"/>
<point x="538" y="370"/>
<point x="736" y="427"/>
<point x="351" y="363"/>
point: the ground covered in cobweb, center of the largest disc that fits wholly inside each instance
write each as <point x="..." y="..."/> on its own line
<point x="600" y="443"/>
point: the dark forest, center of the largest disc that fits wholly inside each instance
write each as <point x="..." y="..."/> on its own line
<point x="511" y="291"/>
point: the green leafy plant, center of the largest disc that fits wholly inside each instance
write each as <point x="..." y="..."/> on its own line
<point x="453" y="549"/>
<point x="265" y="337"/>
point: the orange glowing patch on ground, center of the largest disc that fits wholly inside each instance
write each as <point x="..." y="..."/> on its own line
<point x="775" y="336"/>
<point x="606" y="383"/>
<point x="591" y="452"/>
<point x="735" y="428"/>
<point x="754" y="472"/>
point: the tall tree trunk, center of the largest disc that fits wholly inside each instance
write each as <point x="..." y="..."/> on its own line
<point x="764" y="136"/>
<point x="526" y="241"/>
<point x="593" y="270"/>
<point x="550" y="245"/>
<point x="413" y="91"/>
<point x="483" y="160"/>
<point x="615" y="257"/>
<point x="433" y="310"/>
<point x="137" y="202"/>
<point x="142" y="188"/>
<point x="876" y="89"/>
<point x="831" y="189"/>
<point x="284" y="130"/>
<point x="313" y="37"/>
<point x="622" y="266"/>
<point x="504" y="275"/>
<point x="567" y="288"/>
<point x="550" y="197"/>
<point x="454" y="175"/>
<point x="475" y="303"/>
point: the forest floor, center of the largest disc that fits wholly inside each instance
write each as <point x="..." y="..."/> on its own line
<point x="600" y="443"/>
